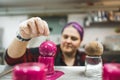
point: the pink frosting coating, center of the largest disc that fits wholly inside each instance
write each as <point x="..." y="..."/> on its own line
<point x="47" y="48"/>
<point x="29" y="71"/>
<point x="49" y="62"/>
<point x="111" y="71"/>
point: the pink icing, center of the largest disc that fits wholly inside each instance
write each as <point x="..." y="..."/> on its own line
<point x="111" y="71"/>
<point x="47" y="48"/>
<point x="49" y="62"/>
<point x="29" y="71"/>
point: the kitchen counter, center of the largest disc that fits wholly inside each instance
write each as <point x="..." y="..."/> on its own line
<point x="70" y="73"/>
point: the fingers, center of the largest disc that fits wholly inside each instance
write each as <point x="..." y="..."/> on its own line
<point x="46" y="30"/>
<point x="24" y="30"/>
<point x="42" y="26"/>
<point x="34" y="27"/>
<point x="39" y="25"/>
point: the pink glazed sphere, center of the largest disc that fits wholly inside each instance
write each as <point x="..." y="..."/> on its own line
<point x="47" y="48"/>
<point x="29" y="71"/>
<point x="111" y="71"/>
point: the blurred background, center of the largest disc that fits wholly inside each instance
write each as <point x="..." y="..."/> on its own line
<point x="100" y="19"/>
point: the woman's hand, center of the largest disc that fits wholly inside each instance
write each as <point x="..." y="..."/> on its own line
<point x="33" y="27"/>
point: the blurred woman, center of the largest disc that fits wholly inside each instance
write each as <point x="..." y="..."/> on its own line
<point x="68" y="53"/>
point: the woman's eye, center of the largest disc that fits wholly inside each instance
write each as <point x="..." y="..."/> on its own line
<point x="65" y="37"/>
<point x="74" y="38"/>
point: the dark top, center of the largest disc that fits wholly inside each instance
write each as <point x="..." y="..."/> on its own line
<point x="32" y="54"/>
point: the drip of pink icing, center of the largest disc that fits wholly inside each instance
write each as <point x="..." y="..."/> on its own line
<point x="47" y="49"/>
<point x="49" y="62"/>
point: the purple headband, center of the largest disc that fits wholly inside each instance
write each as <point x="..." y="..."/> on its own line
<point x="77" y="26"/>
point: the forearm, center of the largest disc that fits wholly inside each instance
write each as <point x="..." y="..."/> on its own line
<point x="17" y="48"/>
<point x="28" y="29"/>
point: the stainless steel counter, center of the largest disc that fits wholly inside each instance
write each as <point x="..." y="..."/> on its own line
<point x="70" y="73"/>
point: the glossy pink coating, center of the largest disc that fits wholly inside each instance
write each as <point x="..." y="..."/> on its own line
<point x="49" y="62"/>
<point x="48" y="48"/>
<point x="29" y="71"/>
<point x="111" y="71"/>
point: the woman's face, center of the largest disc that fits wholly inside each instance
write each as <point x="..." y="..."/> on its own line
<point x="70" y="40"/>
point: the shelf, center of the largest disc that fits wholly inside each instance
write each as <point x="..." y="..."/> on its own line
<point x="107" y="22"/>
<point x="104" y="24"/>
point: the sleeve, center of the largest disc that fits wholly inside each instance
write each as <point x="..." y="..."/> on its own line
<point x="82" y="58"/>
<point x="27" y="57"/>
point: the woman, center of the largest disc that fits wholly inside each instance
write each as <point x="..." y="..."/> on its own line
<point x="67" y="52"/>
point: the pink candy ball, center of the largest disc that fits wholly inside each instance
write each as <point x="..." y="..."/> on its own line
<point x="29" y="71"/>
<point x="111" y="71"/>
<point x="47" y="48"/>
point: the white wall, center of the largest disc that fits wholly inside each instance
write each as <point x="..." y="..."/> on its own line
<point x="77" y="18"/>
<point x="94" y="33"/>
<point x="10" y="26"/>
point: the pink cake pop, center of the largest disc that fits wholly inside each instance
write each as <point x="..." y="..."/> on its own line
<point x="29" y="71"/>
<point x="111" y="71"/>
<point x="48" y="48"/>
